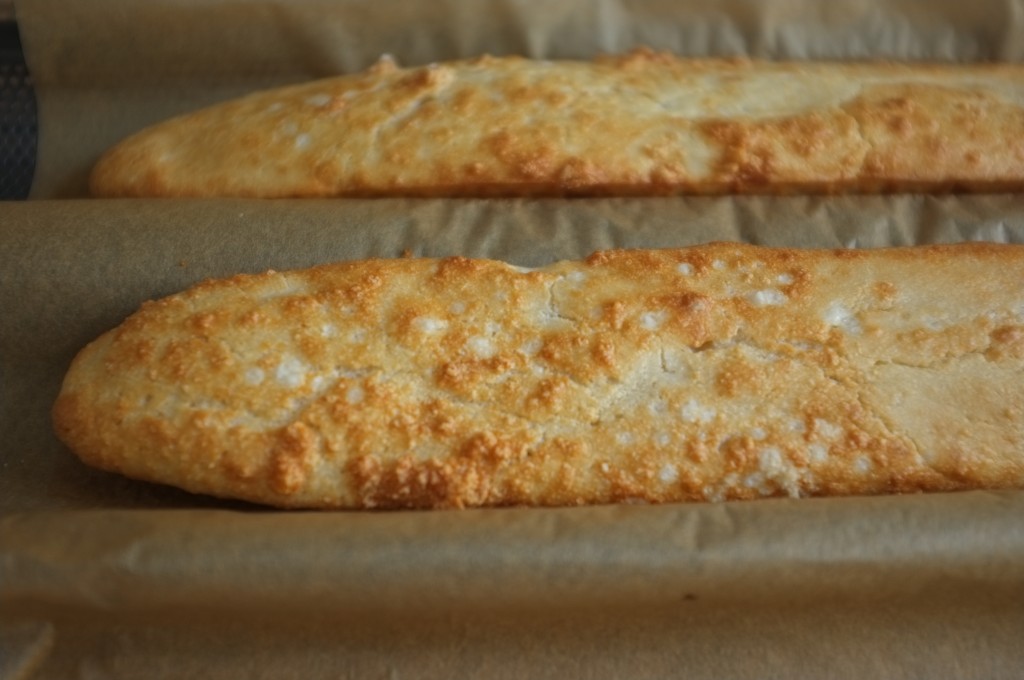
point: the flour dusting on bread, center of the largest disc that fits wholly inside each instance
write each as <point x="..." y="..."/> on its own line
<point x="715" y="372"/>
<point x="645" y="123"/>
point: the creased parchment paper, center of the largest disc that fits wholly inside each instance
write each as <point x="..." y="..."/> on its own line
<point x="103" y="577"/>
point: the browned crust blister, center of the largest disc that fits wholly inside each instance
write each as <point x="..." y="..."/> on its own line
<point x="716" y="372"/>
<point x="640" y="124"/>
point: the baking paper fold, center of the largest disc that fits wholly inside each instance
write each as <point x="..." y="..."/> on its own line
<point x="808" y="588"/>
<point x="104" y="577"/>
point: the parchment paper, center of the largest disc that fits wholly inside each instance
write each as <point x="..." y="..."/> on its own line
<point x="104" y="577"/>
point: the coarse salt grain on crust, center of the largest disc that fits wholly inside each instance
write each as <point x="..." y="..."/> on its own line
<point x="892" y="370"/>
<point x="645" y="123"/>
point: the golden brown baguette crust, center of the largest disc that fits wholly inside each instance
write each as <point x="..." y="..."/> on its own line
<point x="640" y="124"/>
<point x="716" y="372"/>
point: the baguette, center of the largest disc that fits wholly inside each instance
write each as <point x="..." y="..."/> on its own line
<point x="640" y="124"/>
<point x="722" y="371"/>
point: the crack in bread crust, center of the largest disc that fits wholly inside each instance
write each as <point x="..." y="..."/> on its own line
<point x="715" y="372"/>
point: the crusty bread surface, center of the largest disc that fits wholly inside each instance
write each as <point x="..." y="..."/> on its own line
<point x="722" y="371"/>
<point x="639" y="124"/>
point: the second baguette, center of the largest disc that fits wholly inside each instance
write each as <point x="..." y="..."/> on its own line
<point x="643" y="123"/>
<point x="716" y="372"/>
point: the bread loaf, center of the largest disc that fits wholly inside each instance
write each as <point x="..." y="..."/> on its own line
<point x="639" y="124"/>
<point x="716" y="372"/>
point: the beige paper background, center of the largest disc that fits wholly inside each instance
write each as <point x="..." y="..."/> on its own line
<point x="102" y="577"/>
